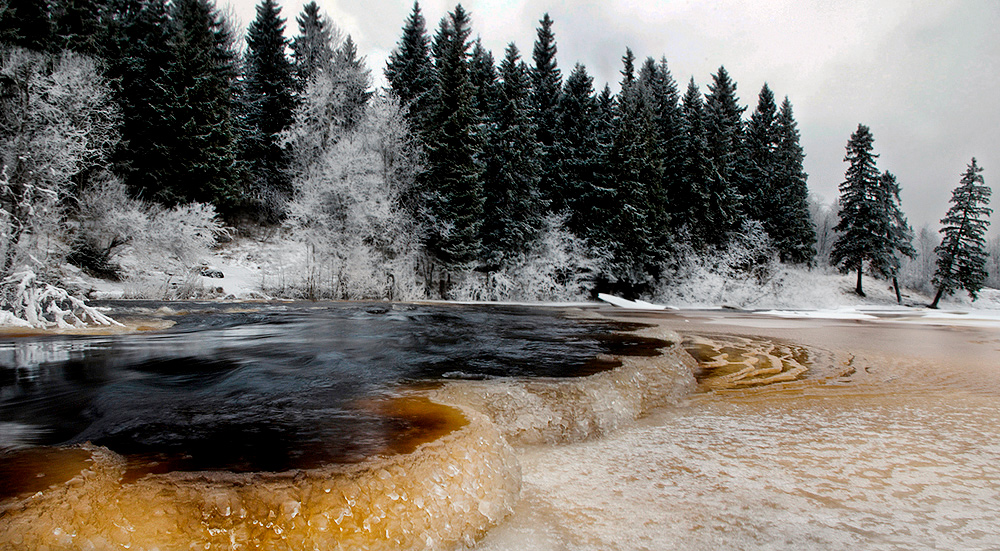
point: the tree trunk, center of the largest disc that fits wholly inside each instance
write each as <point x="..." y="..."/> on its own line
<point x="858" y="288"/>
<point x="895" y="285"/>
<point x="937" y="297"/>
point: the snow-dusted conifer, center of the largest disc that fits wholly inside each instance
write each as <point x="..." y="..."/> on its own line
<point x="577" y="142"/>
<point x="410" y="70"/>
<point x="864" y="223"/>
<point x="724" y="137"/>
<point x="512" y="206"/>
<point x="312" y="48"/>
<point x="789" y="223"/>
<point x="268" y="102"/>
<point x="692" y="195"/>
<point x="546" y="86"/>
<point x="962" y="254"/>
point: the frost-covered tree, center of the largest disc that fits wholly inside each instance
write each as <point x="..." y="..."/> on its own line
<point x="899" y="236"/>
<point x="692" y="196"/>
<point x="410" y="70"/>
<point x="962" y="254"/>
<point x="312" y="49"/>
<point x="513" y="206"/>
<point x="268" y="102"/>
<point x="759" y="193"/>
<point x="662" y="95"/>
<point x="352" y="75"/>
<point x="452" y="183"/>
<point x="347" y="207"/>
<point x="57" y="120"/>
<point x="26" y="23"/>
<point x="867" y="222"/>
<point x="483" y="75"/>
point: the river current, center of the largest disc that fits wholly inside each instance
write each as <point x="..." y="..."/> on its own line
<point x="398" y="426"/>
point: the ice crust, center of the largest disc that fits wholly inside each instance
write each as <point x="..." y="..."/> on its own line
<point x="539" y="411"/>
<point x="446" y="492"/>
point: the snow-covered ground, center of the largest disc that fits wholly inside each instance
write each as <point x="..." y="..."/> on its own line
<point x="255" y="269"/>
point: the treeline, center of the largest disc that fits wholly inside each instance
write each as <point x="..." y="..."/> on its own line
<point x="490" y="158"/>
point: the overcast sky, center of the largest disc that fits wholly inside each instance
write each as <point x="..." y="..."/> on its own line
<point x="923" y="75"/>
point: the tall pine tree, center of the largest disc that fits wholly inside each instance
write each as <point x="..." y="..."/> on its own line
<point x="865" y="224"/>
<point x="724" y="136"/>
<point x="512" y="207"/>
<point x="200" y="79"/>
<point x="312" y="49"/>
<point x="759" y="194"/>
<point x="269" y="86"/>
<point x="546" y="85"/>
<point x="693" y="208"/>
<point x="792" y="228"/>
<point x="577" y="141"/>
<point x="899" y="234"/>
<point x="410" y="70"/>
<point x="452" y="180"/>
<point x="962" y="254"/>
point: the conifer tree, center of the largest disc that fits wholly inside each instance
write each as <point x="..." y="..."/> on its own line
<point x="692" y="197"/>
<point x="899" y="234"/>
<point x="137" y="48"/>
<point x="269" y="100"/>
<point x="312" y="49"/>
<point x="792" y="228"/>
<point x="410" y="70"/>
<point x="578" y="150"/>
<point x="200" y="77"/>
<point x="483" y="74"/>
<point x="352" y="76"/>
<point x="546" y="85"/>
<point x="724" y="136"/>
<point x="864" y="223"/>
<point x="634" y="218"/>
<point x="759" y="200"/>
<point x="662" y="94"/>
<point x="962" y="253"/>
<point x="452" y="180"/>
<point x="512" y="206"/>
<point x="26" y="23"/>
<point x="78" y="26"/>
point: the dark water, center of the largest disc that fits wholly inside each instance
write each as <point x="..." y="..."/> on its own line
<point x="276" y="387"/>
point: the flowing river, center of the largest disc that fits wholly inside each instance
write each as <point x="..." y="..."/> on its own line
<point x="398" y="426"/>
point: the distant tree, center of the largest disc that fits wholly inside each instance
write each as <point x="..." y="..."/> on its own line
<point x="546" y="85"/>
<point x="312" y="49"/>
<point x="724" y="137"/>
<point x="513" y="206"/>
<point x="962" y="254"/>
<point x="899" y="236"/>
<point x="867" y="222"/>
<point x="452" y="181"/>
<point x="410" y="70"/>
<point x="351" y="73"/>
<point x="26" y="23"/>
<point x="788" y="221"/>
<point x="268" y="98"/>
<point x="201" y="80"/>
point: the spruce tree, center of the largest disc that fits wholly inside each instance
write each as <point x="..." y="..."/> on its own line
<point x="759" y="193"/>
<point x="452" y="181"/>
<point x="667" y="116"/>
<point x="962" y="253"/>
<point x="546" y="85"/>
<point x="200" y="79"/>
<point x="791" y="226"/>
<point x="899" y="234"/>
<point x="692" y="196"/>
<point x="634" y="218"/>
<point x="864" y="223"/>
<point x="137" y="48"/>
<point x="312" y="49"/>
<point x="578" y="150"/>
<point x="724" y="136"/>
<point x="78" y="25"/>
<point x="410" y="70"/>
<point x="269" y="86"/>
<point x="512" y="206"/>
<point x="26" y="23"/>
<point x="483" y="74"/>
<point x="352" y="75"/>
